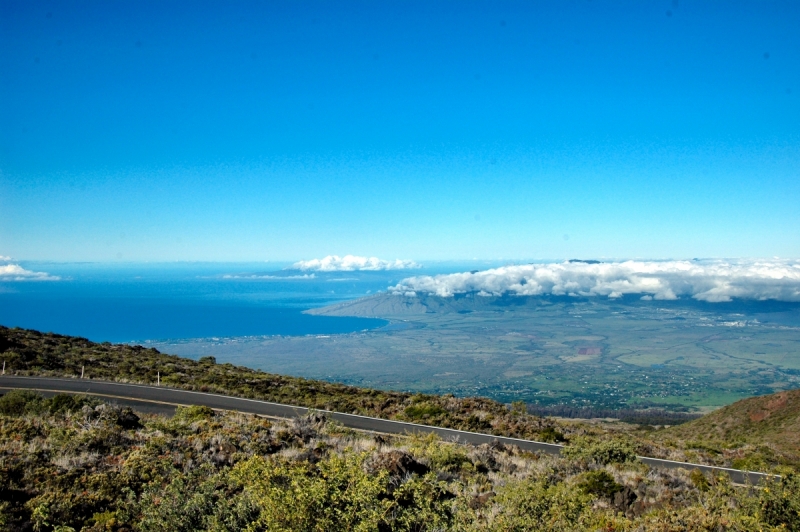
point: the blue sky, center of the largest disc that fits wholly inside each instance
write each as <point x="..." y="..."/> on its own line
<point x="416" y="130"/>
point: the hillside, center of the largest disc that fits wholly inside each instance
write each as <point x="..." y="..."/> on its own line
<point x="770" y="420"/>
<point x="70" y="464"/>
<point x="28" y="352"/>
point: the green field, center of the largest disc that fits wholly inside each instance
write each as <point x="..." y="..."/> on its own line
<point x="595" y="352"/>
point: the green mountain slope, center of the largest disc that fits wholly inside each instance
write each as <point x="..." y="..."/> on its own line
<point x="757" y="434"/>
<point x="76" y="464"/>
<point x="28" y="352"/>
<point x="772" y="420"/>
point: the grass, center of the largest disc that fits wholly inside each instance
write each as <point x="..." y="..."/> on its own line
<point x="771" y="422"/>
<point x="33" y="353"/>
<point x="91" y="466"/>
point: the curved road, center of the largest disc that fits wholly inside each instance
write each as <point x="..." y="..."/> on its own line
<point x="174" y="396"/>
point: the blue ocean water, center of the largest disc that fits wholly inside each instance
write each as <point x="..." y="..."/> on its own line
<point x="132" y="302"/>
<point x="138" y="302"/>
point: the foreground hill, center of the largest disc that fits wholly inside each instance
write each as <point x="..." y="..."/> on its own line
<point x="770" y="420"/>
<point x="69" y="464"/>
<point x="28" y="352"/>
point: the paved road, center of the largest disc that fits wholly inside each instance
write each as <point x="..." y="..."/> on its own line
<point x="173" y="396"/>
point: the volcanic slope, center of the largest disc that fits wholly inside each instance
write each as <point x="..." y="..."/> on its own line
<point x="30" y="353"/>
<point x="772" y="420"/>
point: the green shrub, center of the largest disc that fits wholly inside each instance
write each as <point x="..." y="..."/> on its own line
<point x="550" y="434"/>
<point x="780" y="503"/>
<point x="191" y="414"/>
<point x="519" y="407"/>
<point x="699" y="479"/>
<point x="337" y="494"/>
<point x="536" y="505"/>
<point x="62" y="403"/>
<point x="601" y="452"/>
<point x="18" y="402"/>
<point x="442" y="456"/>
<point x="600" y="483"/>
<point x="761" y="458"/>
<point x="106" y="520"/>
<point x="476" y="424"/>
<point x="703" y="446"/>
<point x="423" y="410"/>
<point x="199" y="501"/>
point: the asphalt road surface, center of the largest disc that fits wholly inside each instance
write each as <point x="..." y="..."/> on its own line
<point x="134" y="394"/>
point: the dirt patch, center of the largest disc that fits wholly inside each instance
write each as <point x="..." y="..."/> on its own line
<point x="773" y="405"/>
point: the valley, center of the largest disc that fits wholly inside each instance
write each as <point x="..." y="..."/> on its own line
<point x="682" y="356"/>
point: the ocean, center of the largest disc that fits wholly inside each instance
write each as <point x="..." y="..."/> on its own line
<point x="137" y="302"/>
<point x="140" y="302"/>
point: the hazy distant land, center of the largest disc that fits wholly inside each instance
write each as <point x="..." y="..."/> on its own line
<point x="576" y="351"/>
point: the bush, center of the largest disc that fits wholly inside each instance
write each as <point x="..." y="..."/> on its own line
<point x="519" y="408"/>
<point x="601" y="452"/>
<point x="18" y="402"/>
<point x="703" y="446"/>
<point x="699" y="479"/>
<point x="336" y="495"/>
<point x="780" y="503"/>
<point x="536" y="505"/>
<point x="423" y="410"/>
<point x="62" y="403"/>
<point x="198" y="501"/>
<point x="552" y="435"/>
<point x="191" y="414"/>
<point x="600" y="483"/>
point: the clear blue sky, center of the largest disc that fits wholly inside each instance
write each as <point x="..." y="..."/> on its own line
<point x="417" y="130"/>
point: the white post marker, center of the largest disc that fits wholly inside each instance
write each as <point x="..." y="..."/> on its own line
<point x="82" y="368"/>
<point x="158" y="377"/>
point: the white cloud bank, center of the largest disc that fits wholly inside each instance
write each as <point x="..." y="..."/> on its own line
<point x="15" y="272"/>
<point x="705" y="280"/>
<point x="269" y="277"/>
<point x="349" y="263"/>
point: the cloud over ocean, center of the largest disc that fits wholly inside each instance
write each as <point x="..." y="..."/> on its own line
<point x="15" y="272"/>
<point x="349" y="263"/>
<point x="704" y="280"/>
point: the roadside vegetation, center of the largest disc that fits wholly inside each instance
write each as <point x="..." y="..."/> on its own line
<point x="74" y="463"/>
<point x="752" y="433"/>
<point x="28" y="352"/>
